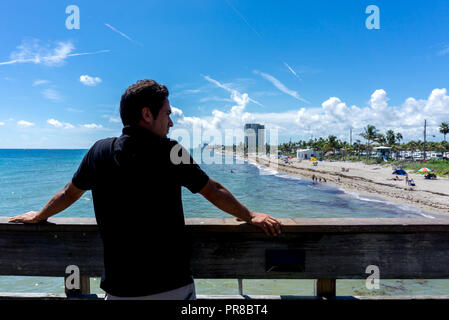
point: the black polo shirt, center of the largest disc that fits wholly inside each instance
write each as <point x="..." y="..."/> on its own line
<point x="136" y="191"/>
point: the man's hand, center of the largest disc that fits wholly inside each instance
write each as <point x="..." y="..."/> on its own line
<point x="270" y="225"/>
<point x="223" y="199"/>
<point x="59" y="202"/>
<point x="29" y="217"/>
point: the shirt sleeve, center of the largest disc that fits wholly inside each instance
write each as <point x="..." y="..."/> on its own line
<point x="84" y="177"/>
<point x="190" y="174"/>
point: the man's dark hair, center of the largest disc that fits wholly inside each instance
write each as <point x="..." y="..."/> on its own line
<point x="144" y="93"/>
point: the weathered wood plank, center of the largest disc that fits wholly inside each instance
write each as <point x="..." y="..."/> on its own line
<point x="325" y="225"/>
<point x="46" y="253"/>
<point x="309" y="249"/>
<point x="336" y="256"/>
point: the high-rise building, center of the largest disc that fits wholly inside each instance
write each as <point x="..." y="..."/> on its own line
<point x="254" y="137"/>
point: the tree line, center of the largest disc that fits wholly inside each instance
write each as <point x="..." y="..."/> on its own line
<point x="371" y="135"/>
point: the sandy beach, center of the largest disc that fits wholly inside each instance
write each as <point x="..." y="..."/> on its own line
<point x="431" y="196"/>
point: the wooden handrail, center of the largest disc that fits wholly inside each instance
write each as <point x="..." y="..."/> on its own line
<point x="326" y="249"/>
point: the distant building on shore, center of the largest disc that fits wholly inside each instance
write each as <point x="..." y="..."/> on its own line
<point x="306" y="154"/>
<point x="254" y="137"/>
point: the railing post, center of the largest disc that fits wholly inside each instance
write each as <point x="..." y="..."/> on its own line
<point x="240" y="281"/>
<point x="325" y="288"/>
<point x="85" y="285"/>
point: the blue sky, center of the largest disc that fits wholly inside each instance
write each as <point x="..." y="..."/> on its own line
<point x="307" y="68"/>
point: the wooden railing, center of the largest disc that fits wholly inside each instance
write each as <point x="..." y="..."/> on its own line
<point x="321" y="249"/>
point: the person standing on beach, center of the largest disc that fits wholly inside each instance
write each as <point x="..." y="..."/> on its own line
<point x="136" y="190"/>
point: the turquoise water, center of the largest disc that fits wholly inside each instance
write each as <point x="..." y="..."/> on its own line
<point x="28" y="179"/>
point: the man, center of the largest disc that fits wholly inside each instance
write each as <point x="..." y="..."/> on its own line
<point x="136" y="191"/>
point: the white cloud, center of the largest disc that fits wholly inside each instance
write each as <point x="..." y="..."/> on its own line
<point x="112" y="119"/>
<point x="281" y="86"/>
<point x="336" y="109"/>
<point x="335" y="117"/>
<point x="92" y="126"/>
<point x="176" y="113"/>
<point x="68" y="125"/>
<point x="52" y="95"/>
<point x="379" y="100"/>
<point x="58" y="124"/>
<point x="24" y="124"/>
<point x="115" y="120"/>
<point x="2" y="124"/>
<point x="89" y="81"/>
<point x="40" y="82"/>
<point x="54" y="123"/>
<point x="234" y="118"/>
<point x="33" y="51"/>
<point x="227" y="88"/>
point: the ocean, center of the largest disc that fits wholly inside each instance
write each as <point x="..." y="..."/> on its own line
<point x="29" y="178"/>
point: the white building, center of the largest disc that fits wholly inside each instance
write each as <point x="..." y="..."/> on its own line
<point x="306" y="154"/>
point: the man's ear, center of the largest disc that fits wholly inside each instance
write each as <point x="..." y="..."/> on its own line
<point x="147" y="116"/>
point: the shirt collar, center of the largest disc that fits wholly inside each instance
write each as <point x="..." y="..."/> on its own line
<point x="141" y="132"/>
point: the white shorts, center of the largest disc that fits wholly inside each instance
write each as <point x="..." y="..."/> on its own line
<point x="184" y="293"/>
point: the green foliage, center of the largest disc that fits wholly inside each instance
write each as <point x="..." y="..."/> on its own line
<point x="439" y="167"/>
<point x="335" y="149"/>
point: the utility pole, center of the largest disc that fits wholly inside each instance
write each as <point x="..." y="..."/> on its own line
<point x="350" y="136"/>
<point x="425" y="126"/>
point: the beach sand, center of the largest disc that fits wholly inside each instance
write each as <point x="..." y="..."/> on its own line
<point x="431" y="196"/>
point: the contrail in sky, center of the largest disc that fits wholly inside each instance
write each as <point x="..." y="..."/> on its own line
<point x="49" y="58"/>
<point x="87" y="53"/>
<point x="122" y="34"/>
<point x="243" y="18"/>
<point x="291" y="70"/>
<point x="281" y="86"/>
<point x="258" y="34"/>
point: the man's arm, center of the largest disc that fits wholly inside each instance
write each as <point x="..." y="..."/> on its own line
<point x="60" y="201"/>
<point x="223" y="199"/>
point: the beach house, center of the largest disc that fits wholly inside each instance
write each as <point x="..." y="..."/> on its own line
<point x="383" y="152"/>
<point x="305" y="154"/>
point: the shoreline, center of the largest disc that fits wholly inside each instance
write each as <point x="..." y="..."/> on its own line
<point x="372" y="181"/>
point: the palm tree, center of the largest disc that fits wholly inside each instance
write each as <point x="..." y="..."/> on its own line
<point x="391" y="138"/>
<point x="380" y="138"/>
<point x="399" y="137"/>
<point x="357" y="145"/>
<point x="444" y="129"/>
<point x="370" y="134"/>
<point x="332" y="143"/>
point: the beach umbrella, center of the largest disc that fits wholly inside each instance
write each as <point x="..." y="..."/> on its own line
<point x="312" y="159"/>
<point x="424" y="170"/>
